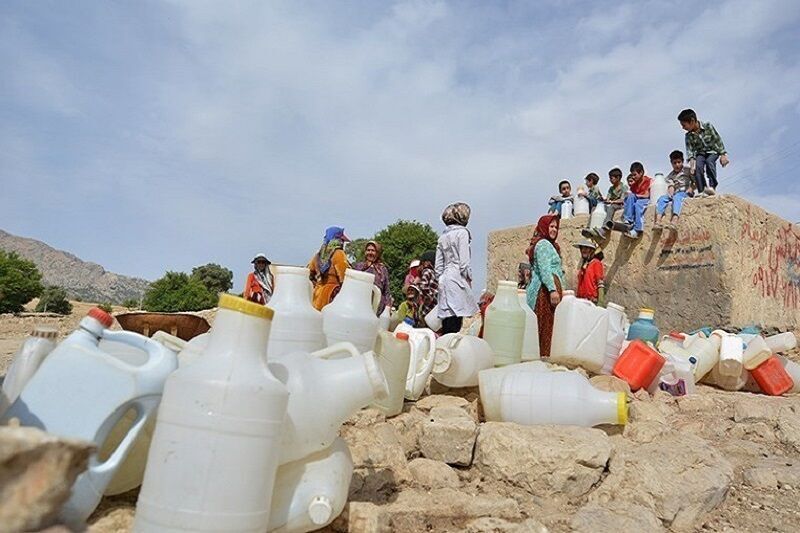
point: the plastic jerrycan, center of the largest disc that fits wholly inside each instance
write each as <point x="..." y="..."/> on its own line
<point x="676" y="376"/>
<point x="459" y="358"/>
<point x="393" y="353"/>
<point x="782" y="342"/>
<point x="311" y="492"/>
<point x="705" y="351"/>
<point x="757" y="352"/>
<point x="772" y="378"/>
<point x="504" y="327"/>
<point x="561" y="398"/>
<point x="644" y="327"/>
<point x="731" y="353"/>
<point x="385" y="319"/>
<point x="793" y="369"/>
<point x="26" y="362"/>
<point x="423" y="350"/>
<point x="658" y="187"/>
<point x="566" y="209"/>
<point x="81" y="392"/>
<point x="617" y="331"/>
<point x="325" y="389"/>
<point x="729" y="383"/>
<point x="297" y="326"/>
<point x="214" y="454"/>
<point x="581" y="203"/>
<point x="598" y="217"/>
<point x="530" y="340"/>
<point x="580" y="333"/>
<point x="638" y="365"/>
<point x="490" y="382"/>
<point x="351" y="316"/>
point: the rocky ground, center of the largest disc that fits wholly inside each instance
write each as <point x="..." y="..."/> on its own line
<point x="713" y="461"/>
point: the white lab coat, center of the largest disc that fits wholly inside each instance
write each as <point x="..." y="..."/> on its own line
<point x="453" y="270"/>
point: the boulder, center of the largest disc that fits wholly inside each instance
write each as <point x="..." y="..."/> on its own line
<point x="751" y="408"/>
<point x="426" y="404"/>
<point x="37" y="471"/>
<point x="498" y="525"/>
<point x="433" y="474"/>
<point x="789" y="429"/>
<point x="379" y="462"/>
<point x="678" y="476"/>
<point x="448" y="435"/>
<point x="409" y="428"/>
<point x="552" y="462"/>
<point x="615" y="516"/>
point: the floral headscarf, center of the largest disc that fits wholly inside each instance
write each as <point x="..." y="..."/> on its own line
<point x="543" y="233"/>
<point x="457" y="213"/>
<point x="334" y="240"/>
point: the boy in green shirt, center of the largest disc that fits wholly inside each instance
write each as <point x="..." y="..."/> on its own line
<point x="614" y="202"/>
<point x="703" y="146"/>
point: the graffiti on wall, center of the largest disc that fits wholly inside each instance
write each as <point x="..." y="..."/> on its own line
<point x="690" y="249"/>
<point x="775" y="258"/>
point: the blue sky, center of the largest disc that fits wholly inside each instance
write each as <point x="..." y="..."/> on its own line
<point x="151" y="136"/>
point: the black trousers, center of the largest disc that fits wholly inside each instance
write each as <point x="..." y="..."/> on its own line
<point x="452" y="324"/>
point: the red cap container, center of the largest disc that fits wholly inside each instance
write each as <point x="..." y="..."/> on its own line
<point x="772" y="378"/>
<point x="639" y="365"/>
<point x="101" y="316"/>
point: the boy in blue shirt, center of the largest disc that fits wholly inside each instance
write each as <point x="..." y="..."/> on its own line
<point x="703" y="147"/>
<point x="555" y="203"/>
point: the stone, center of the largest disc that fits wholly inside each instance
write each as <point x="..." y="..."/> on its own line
<point x="433" y="474"/>
<point x="773" y="473"/>
<point x="615" y="516"/>
<point x="498" y="525"/>
<point x="366" y="417"/>
<point x="37" y="471"/>
<point x="789" y="429"/>
<point x="448" y="435"/>
<point x="409" y="428"/>
<point x="610" y="384"/>
<point x="362" y="517"/>
<point x="756" y="409"/>
<point x="679" y="477"/>
<point x="646" y="421"/>
<point x="426" y="404"/>
<point x="379" y="462"/>
<point x="553" y="462"/>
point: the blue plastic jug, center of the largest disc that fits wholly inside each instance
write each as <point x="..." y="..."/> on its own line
<point x="644" y="328"/>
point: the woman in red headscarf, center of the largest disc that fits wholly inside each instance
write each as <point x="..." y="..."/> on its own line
<point x="547" y="278"/>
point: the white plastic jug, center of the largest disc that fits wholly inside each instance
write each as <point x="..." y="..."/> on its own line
<point x="581" y="203"/>
<point x="459" y="358"/>
<point x="566" y="209"/>
<point x="705" y="351"/>
<point x="782" y="342"/>
<point x="598" y="218"/>
<point x="676" y="376"/>
<point x="658" y="187"/>
<point x="26" y="362"/>
<point x="214" y="454"/>
<point x="561" y="398"/>
<point x="491" y="380"/>
<point x="580" y="333"/>
<point x="432" y="319"/>
<point x="504" y="326"/>
<point x="729" y="383"/>
<point x="81" y="392"/>
<point x="385" y="320"/>
<point x="311" y="492"/>
<point x="393" y="352"/>
<point x="757" y="352"/>
<point x="423" y="349"/>
<point x="794" y="370"/>
<point x="617" y="332"/>
<point x="351" y="316"/>
<point x="297" y="326"/>
<point x="325" y="389"/>
<point x="530" y="339"/>
<point x="731" y="352"/>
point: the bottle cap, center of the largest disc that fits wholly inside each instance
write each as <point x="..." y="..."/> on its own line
<point x="234" y="303"/>
<point x="45" y="332"/>
<point x="403" y="336"/>
<point x="101" y="316"/>
<point x="622" y="408"/>
<point x="320" y="510"/>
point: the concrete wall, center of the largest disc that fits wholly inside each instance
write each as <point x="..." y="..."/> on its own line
<point x="730" y="263"/>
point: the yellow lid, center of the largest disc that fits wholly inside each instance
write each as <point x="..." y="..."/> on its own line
<point x="622" y="408"/>
<point x="234" y="303"/>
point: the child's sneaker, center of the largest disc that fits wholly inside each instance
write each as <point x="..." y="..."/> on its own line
<point x="709" y="191"/>
<point x="632" y="234"/>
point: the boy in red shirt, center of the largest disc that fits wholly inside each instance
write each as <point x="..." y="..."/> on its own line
<point x="591" y="274"/>
<point x="636" y="201"/>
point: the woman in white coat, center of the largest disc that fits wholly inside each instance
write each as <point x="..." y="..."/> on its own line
<point x="453" y="269"/>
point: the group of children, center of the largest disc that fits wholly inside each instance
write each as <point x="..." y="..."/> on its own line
<point x="704" y="147"/>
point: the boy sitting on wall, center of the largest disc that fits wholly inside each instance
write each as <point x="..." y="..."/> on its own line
<point x="636" y="200"/>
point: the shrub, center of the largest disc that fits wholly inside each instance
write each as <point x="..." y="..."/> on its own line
<point x="214" y="277"/>
<point x="177" y="291"/>
<point x="106" y="307"/>
<point x="20" y="282"/>
<point x="402" y="242"/>
<point x="54" y="300"/>
<point x="131" y="303"/>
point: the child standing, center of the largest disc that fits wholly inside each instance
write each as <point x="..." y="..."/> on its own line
<point x="591" y="285"/>
<point x="636" y="200"/>
<point x="678" y="184"/>
<point x="703" y="147"/>
<point x="565" y="188"/>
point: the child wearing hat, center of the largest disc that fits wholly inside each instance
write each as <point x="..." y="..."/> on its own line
<point x="591" y="273"/>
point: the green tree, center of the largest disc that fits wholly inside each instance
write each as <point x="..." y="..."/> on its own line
<point x="177" y="291"/>
<point x="216" y="278"/>
<point x="54" y="300"/>
<point x="20" y="282"/>
<point x="131" y="303"/>
<point x="404" y="241"/>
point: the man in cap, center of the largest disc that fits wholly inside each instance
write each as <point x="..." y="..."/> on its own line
<point x="260" y="284"/>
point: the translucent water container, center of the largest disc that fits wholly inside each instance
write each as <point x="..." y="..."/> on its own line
<point x="561" y="398"/>
<point x="351" y="316"/>
<point x="491" y="380"/>
<point x="297" y="326"/>
<point x="581" y="204"/>
<point x="658" y="187"/>
<point x="705" y="351"/>
<point x="423" y="352"/>
<point x="782" y="342"/>
<point x="459" y="358"/>
<point x="393" y="353"/>
<point x="504" y="326"/>
<point x="530" y="341"/>
<point x="644" y="327"/>
<point x="566" y="209"/>
<point x="757" y="352"/>
<point x="598" y="216"/>
<point x="580" y="333"/>
<point x="731" y="354"/>
<point x="617" y="331"/>
<point x="26" y="362"/>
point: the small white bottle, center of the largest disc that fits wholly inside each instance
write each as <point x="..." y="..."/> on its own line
<point x="26" y="361"/>
<point x="782" y="342"/>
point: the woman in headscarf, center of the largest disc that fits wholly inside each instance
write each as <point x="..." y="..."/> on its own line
<point x="328" y="266"/>
<point x="547" y="278"/>
<point x="453" y="269"/>
<point x="428" y="283"/>
<point x="259" y="285"/>
<point x="373" y="264"/>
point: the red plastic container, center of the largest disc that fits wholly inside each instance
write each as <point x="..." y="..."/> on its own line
<point x="772" y="378"/>
<point x="639" y="365"/>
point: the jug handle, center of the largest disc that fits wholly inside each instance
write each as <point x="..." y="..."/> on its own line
<point x="376" y="298"/>
<point x="333" y="349"/>
<point x="176" y="344"/>
<point x="455" y="340"/>
<point x="156" y="351"/>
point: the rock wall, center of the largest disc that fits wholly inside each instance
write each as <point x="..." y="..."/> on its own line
<point x="730" y="263"/>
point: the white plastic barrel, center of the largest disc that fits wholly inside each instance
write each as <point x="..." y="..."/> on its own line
<point x="731" y="353"/>
<point x="580" y="333"/>
<point x="459" y="358"/>
<point x="423" y="348"/>
<point x="297" y="326"/>
<point x="617" y="332"/>
<point x="26" y="362"/>
<point x="351" y="316"/>
<point x="504" y="326"/>
<point x="782" y="342"/>
<point x="530" y="340"/>
<point x="393" y="353"/>
<point x="658" y="187"/>
<point x="757" y="352"/>
<point x="705" y="351"/>
<point x="598" y="218"/>
<point x="491" y="380"/>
